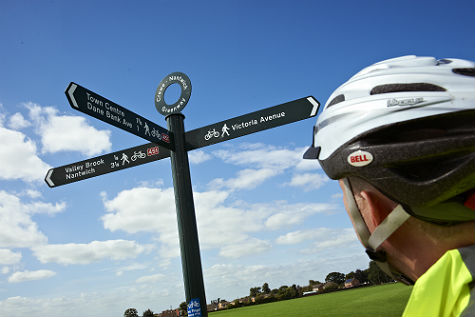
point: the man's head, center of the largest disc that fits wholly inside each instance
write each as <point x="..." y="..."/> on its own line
<point x="401" y="135"/>
<point x="412" y="245"/>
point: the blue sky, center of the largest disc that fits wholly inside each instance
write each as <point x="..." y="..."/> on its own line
<point x="100" y="246"/>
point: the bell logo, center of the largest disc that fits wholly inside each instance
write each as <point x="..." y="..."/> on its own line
<point x="360" y="158"/>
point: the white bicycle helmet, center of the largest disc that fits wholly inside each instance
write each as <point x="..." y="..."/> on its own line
<point x="407" y="126"/>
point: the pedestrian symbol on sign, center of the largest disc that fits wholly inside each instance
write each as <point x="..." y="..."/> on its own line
<point x="225" y="130"/>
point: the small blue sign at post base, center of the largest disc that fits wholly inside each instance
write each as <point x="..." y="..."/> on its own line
<point x="194" y="308"/>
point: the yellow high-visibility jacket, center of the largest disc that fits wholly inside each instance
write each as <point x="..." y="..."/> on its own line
<point x="446" y="289"/>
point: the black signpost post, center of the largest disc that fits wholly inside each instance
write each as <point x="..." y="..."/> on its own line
<point x="185" y="207"/>
<point x="174" y="143"/>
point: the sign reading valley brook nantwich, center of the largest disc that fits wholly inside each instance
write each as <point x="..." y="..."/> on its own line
<point x="175" y="143"/>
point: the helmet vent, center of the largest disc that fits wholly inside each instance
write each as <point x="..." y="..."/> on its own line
<point x="465" y="71"/>
<point x="384" y="89"/>
<point x="336" y="100"/>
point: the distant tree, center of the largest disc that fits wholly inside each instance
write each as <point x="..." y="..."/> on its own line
<point x="254" y="291"/>
<point x="131" y="312"/>
<point x="361" y="276"/>
<point x="335" y="277"/>
<point x="350" y="275"/>
<point x="184" y="308"/>
<point x="312" y="282"/>
<point x="330" y="286"/>
<point x="376" y="275"/>
<point x="147" y="313"/>
<point x="265" y="288"/>
<point x="296" y="291"/>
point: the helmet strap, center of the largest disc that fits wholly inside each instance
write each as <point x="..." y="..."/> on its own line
<point x="372" y="241"/>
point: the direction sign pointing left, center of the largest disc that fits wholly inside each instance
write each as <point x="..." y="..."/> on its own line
<point x="103" y="109"/>
<point x="104" y="164"/>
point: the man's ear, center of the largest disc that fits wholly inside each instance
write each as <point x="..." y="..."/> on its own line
<point x="377" y="207"/>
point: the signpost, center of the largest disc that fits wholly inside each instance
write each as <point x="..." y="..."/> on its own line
<point x="174" y="143"/>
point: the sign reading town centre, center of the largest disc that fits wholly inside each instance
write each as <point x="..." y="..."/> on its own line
<point x="103" y="109"/>
<point x="174" y="143"/>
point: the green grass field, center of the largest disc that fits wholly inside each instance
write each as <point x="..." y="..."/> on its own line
<point x="386" y="300"/>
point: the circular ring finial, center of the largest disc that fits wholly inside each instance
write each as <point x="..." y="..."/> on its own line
<point x="173" y="78"/>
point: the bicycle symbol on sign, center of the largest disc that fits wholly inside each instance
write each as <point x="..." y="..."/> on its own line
<point x="212" y="133"/>
<point x="156" y="134"/>
<point x="137" y="155"/>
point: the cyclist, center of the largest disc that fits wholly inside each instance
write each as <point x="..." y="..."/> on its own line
<point x="400" y="138"/>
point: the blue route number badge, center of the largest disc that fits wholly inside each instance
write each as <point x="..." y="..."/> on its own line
<point x="194" y="308"/>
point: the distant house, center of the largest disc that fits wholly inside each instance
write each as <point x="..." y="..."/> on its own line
<point x="218" y="305"/>
<point x="170" y="313"/>
<point x="223" y="304"/>
<point x="352" y="282"/>
<point x="318" y="288"/>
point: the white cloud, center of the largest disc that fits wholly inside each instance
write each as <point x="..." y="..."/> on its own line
<point x="228" y="227"/>
<point x="108" y="301"/>
<point x="246" y="179"/>
<point x="145" y="209"/>
<point x="150" y="278"/>
<point x="336" y="239"/>
<point x="299" y="236"/>
<point x="132" y="267"/>
<point x="261" y="156"/>
<point x="26" y="276"/>
<point x="267" y="161"/>
<point x="290" y="215"/>
<point x="19" y="158"/>
<point x="245" y="248"/>
<point x="67" y="133"/>
<point x="33" y="193"/>
<point x="198" y="156"/>
<point x="39" y="207"/>
<point x="73" y="253"/>
<point x="320" y="238"/>
<point x="8" y="257"/>
<point x="153" y="210"/>
<point x="221" y="225"/>
<point x="141" y="209"/>
<point x="308" y="181"/>
<point x="17" y="121"/>
<point x="17" y="229"/>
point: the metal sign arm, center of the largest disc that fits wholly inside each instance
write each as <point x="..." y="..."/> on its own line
<point x="264" y="119"/>
<point x="90" y="103"/>
<point x="104" y="164"/>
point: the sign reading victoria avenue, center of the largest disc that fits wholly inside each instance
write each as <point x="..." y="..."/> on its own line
<point x="272" y="117"/>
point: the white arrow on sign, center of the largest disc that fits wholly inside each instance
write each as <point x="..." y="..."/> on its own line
<point x="71" y="95"/>
<point x="315" y="104"/>
<point x="48" y="178"/>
